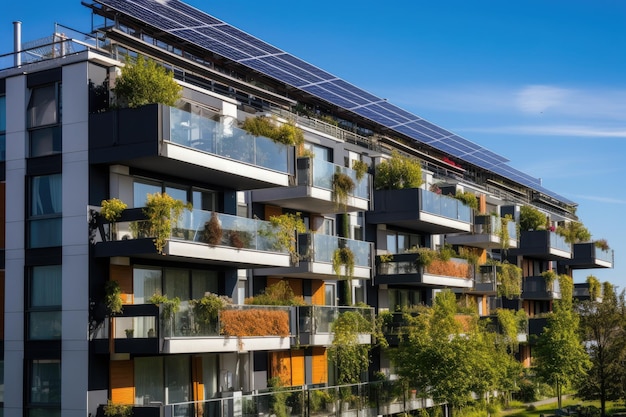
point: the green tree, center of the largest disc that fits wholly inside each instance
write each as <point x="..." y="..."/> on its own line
<point x="602" y="324"/>
<point x="561" y="359"/>
<point x="143" y="81"/>
<point x="398" y="172"/>
<point x="349" y="355"/>
<point x="444" y="358"/>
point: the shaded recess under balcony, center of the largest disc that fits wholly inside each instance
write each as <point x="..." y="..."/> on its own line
<point x="536" y="326"/>
<point x="243" y="242"/>
<point x="536" y="288"/>
<point x="420" y="210"/>
<point x="313" y="191"/>
<point x="404" y="269"/>
<point x="542" y="244"/>
<point x="588" y="256"/>
<point x="176" y="142"/>
<point x="315" y="253"/>
<point x="486" y="233"/>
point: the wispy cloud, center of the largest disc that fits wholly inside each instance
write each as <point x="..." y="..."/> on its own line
<point x="551" y="130"/>
<point x="538" y="98"/>
<point x="608" y="200"/>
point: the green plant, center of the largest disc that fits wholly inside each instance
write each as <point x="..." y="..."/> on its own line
<point x="531" y="219"/>
<point x="129" y="333"/>
<point x="113" y="297"/>
<point x="602" y="244"/>
<point x="285" y="228"/>
<point x="212" y="232"/>
<point x="350" y="357"/>
<point x="286" y="133"/>
<point x="509" y="277"/>
<point x="162" y="212"/>
<point x="425" y="256"/>
<point x="503" y="232"/>
<point x="549" y="277"/>
<point x="360" y="168"/>
<point x="112" y="209"/>
<point x="385" y="257"/>
<point x="343" y="257"/>
<point x="143" y="82"/>
<point x="206" y="309"/>
<point x="117" y="410"/>
<point x="398" y="172"/>
<point x="468" y="198"/>
<point x="343" y="186"/>
<point x="278" y="401"/>
<point x="169" y="306"/>
<point x="595" y="289"/>
<point x="574" y="232"/>
<point x="278" y="294"/>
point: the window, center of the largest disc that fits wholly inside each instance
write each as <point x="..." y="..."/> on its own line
<point x="163" y="379"/>
<point x="44" y="303"/>
<point x="201" y="199"/>
<point x="45" y="211"/>
<point x="44" y="119"/>
<point x="399" y="242"/>
<point x="3" y="127"/>
<point x="44" y="379"/>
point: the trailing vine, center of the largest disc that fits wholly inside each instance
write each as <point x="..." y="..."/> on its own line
<point x="549" y="277"/>
<point x="509" y="278"/>
<point x="113" y="297"/>
<point x="162" y="212"/>
<point x="468" y="198"/>
<point x="285" y="229"/>
<point x="595" y="288"/>
<point x="343" y="186"/>
<point x="170" y="306"/>
<point x="286" y="133"/>
<point x="343" y="257"/>
<point x="350" y="357"/>
<point x="360" y="168"/>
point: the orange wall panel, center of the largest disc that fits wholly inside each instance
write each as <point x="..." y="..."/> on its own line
<point x="297" y="367"/>
<point x="318" y="297"/>
<point x="320" y="366"/>
<point x="123" y="274"/>
<point x="122" y="382"/>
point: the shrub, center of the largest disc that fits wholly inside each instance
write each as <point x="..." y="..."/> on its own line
<point x="278" y="294"/>
<point x="143" y="82"/>
<point x="398" y="172"/>
<point x="254" y="322"/>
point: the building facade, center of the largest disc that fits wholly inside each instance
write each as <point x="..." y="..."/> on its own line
<point x="66" y="148"/>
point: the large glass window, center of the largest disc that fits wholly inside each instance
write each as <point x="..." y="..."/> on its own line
<point x="200" y="199"/>
<point x="44" y="304"/>
<point x="44" y="119"/>
<point x="146" y="283"/>
<point x="45" y="211"/>
<point x="163" y="380"/>
<point x="44" y="387"/>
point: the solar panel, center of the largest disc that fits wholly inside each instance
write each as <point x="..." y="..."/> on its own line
<point x="205" y="31"/>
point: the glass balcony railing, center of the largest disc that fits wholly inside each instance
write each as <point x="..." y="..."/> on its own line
<point x="212" y="228"/>
<point x="234" y="321"/>
<point x="445" y="206"/>
<point x="558" y="242"/>
<point x="319" y="319"/>
<point x="322" y="172"/>
<point x="317" y="247"/>
<point x="200" y="132"/>
<point x="604" y="255"/>
<point x="492" y="224"/>
<point x="406" y="264"/>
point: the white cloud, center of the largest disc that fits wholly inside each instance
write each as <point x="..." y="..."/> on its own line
<point x="599" y="199"/>
<point x="552" y="130"/>
<point x="538" y="98"/>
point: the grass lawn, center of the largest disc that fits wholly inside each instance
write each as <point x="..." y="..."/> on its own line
<point x="550" y="409"/>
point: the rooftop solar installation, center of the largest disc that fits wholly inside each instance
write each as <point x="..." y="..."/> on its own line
<point x="200" y="29"/>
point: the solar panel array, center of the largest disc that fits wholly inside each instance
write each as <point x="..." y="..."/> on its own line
<point x="198" y="28"/>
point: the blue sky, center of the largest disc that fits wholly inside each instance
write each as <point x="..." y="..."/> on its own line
<point x="542" y="83"/>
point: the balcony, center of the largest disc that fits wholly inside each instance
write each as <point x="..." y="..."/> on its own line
<point x="135" y="330"/>
<point x="186" y="145"/>
<point x="486" y="280"/>
<point x="494" y="325"/>
<point x="313" y="191"/>
<point x="543" y="244"/>
<point x="404" y="269"/>
<point x="536" y="288"/>
<point x="242" y="243"/>
<point x="536" y="326"/>
<point x="420" y="210"/>
<point x="315" y="324"/>
<point x="315" y="252"/>
<point x="588" y="256"/>
<point x="581" y="292"/>
<point x="238" y="328"/>
<point x="487" y="234"/>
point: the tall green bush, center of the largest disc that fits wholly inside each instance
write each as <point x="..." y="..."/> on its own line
<point x="143" y="81"/>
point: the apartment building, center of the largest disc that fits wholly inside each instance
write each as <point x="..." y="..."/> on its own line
<point x="65" y="149"/>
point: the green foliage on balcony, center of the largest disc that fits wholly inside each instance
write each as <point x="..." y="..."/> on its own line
<point x="398" y="172"/>
<point x="113" y="297"/>
<point x="531" y="219"/>
<point x="468" y="198"/>
<point x="574" y="232"/>
<point x="162" y="212"/>
<point x="143" y="81"/>
<point x="285" y="133"/>
<point x="278" y="294"/>
<point x="509" y="279"/>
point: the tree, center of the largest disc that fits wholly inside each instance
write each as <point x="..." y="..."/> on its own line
<point x="561" y="359"/>
<point x="602" y="324"/>
<point x="446" y="359"/>
<point x="143" y="81"/>
<point x="531" y="219"/>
